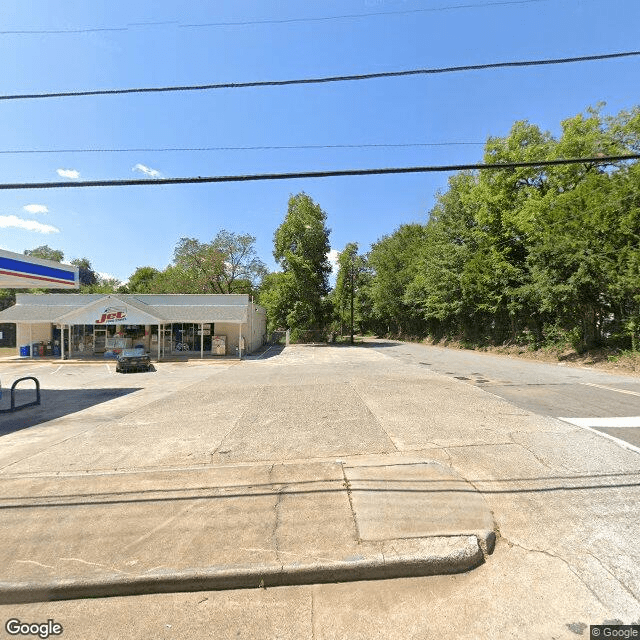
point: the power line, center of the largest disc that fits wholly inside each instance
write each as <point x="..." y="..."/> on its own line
<point x="256" y="148"/>
<point x="242" y="23"/>
<point x="326" y="79"/>
<point x="315" y="174"/>
<point x="350" y="16"/>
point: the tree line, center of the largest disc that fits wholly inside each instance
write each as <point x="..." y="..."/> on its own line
<point x="524" y="255"/>
<point x="532" y="255"/>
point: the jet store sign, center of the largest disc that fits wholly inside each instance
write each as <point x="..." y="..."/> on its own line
<point x="113" y="315"/>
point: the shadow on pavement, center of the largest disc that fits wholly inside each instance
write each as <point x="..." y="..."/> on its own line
<point x="550" y="484"/>
<point x="55" y="403"/>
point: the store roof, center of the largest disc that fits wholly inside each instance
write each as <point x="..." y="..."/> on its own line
<point x="126" y="309"/>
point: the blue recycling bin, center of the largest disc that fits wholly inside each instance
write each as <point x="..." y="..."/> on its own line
<point x="25" y="351"/>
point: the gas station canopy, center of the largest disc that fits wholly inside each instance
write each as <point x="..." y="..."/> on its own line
<point x="18" y="271"/>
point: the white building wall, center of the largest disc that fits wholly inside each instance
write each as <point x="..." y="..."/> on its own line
<point x="230" y="330"/>
<point x="257" y="327"/>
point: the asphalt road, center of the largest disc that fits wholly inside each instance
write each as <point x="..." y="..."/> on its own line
<point x="606" y="403"/>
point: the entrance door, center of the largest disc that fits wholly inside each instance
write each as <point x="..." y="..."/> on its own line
<point x="99" y="339"/>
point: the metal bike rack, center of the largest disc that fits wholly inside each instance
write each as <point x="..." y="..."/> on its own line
<point x="13" y="395"/>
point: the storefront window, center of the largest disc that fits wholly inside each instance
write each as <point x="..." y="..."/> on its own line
<point x="186" y="337"/>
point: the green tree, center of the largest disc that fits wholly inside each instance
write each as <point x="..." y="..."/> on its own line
<point x="301" y="247"/>
<point x="351" y="267"/>
<point x="227" y="264"/>
<point x="394" y="266"/>
<point x="86" y="275"/>
<point x="143" y="280"/>
<point x="46" y="253"/>
<point x="275" y="295"/>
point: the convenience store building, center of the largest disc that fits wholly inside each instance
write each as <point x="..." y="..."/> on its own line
<point x="99" y="325"/>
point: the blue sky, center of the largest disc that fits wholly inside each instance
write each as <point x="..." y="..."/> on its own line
<point x="119" y="229"/>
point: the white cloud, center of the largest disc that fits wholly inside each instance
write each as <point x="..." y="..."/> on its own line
<point x="29" y="225"/>
<point x="333" y="259"/>
<point x="68" y="173"/>
<point x="150" y="173"/>
<point x="36" y="208"/>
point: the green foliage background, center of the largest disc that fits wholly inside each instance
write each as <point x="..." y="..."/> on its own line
<point x="534" y="255"/>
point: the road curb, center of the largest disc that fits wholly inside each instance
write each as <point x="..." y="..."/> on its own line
<point x="453" y="554"/>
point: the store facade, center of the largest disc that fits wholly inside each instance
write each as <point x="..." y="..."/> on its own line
<point x="98" y="325"/>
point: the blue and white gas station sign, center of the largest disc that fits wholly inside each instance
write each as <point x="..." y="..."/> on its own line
<point x="18" y="271"/>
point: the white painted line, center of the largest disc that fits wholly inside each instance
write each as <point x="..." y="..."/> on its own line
<point x="108" y="368"/>
<point x="262" y="354"/>
<point x="601" y="386"/>
<point x="627" y="422"/>
<point x="58" y="369"/>
<point x="578" y="422"/>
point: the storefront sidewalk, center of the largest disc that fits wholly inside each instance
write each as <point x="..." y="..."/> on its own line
<point x="98" y="359"/>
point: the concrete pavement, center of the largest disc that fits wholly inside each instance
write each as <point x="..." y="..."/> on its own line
<point x="565" y="502"/>
<point x="72" y="535"/>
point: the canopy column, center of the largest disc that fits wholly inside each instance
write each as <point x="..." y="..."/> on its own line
<point x="202" y="340"/>
<point x="160" y="341"/>
<point x="30" y="343"/>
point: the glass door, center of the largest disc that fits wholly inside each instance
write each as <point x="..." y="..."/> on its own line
<point x="99" y="339"/>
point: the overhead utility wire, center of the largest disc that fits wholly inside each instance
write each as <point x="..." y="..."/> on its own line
<point x="21" y="32"/>
<point x="314" y="174"/>
<point x="258" y="148"/>
<point x="326" y="79"/>
<point x="350" y="16"/>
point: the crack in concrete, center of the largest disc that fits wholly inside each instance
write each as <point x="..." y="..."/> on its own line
<point x="39" y="564"/>
<point x="626" y="587"/>
<point x="250" y="405"/>
<point x="97" y="564"/>
<point x="569" y="566"/>
<point x="313" y="630"/>
<point x="541" y="460"/>
<point x="276" y="521"/>
<point x="347" y="485"/>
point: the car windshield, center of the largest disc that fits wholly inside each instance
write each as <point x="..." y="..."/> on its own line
<point x="132" y="352"/>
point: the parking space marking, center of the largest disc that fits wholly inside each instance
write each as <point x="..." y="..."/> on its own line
<point x="108" y="368"/>
<point x="262" y="354"/>
<point x="601" y="386"/>
<point x="593" y="424"/>
<point x="628" y="422"/>
<point x="58" y="369"/>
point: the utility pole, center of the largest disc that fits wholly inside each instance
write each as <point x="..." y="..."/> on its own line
<point x="352" y="287"/>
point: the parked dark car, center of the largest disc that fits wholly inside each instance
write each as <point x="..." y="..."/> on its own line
<point x="133" y="360"/>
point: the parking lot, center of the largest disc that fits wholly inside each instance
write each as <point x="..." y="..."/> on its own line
<point x="215" y="463"/>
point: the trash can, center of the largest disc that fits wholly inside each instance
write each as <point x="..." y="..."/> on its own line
<point x="35" y="349"/>
<point x="24" y="351"/>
